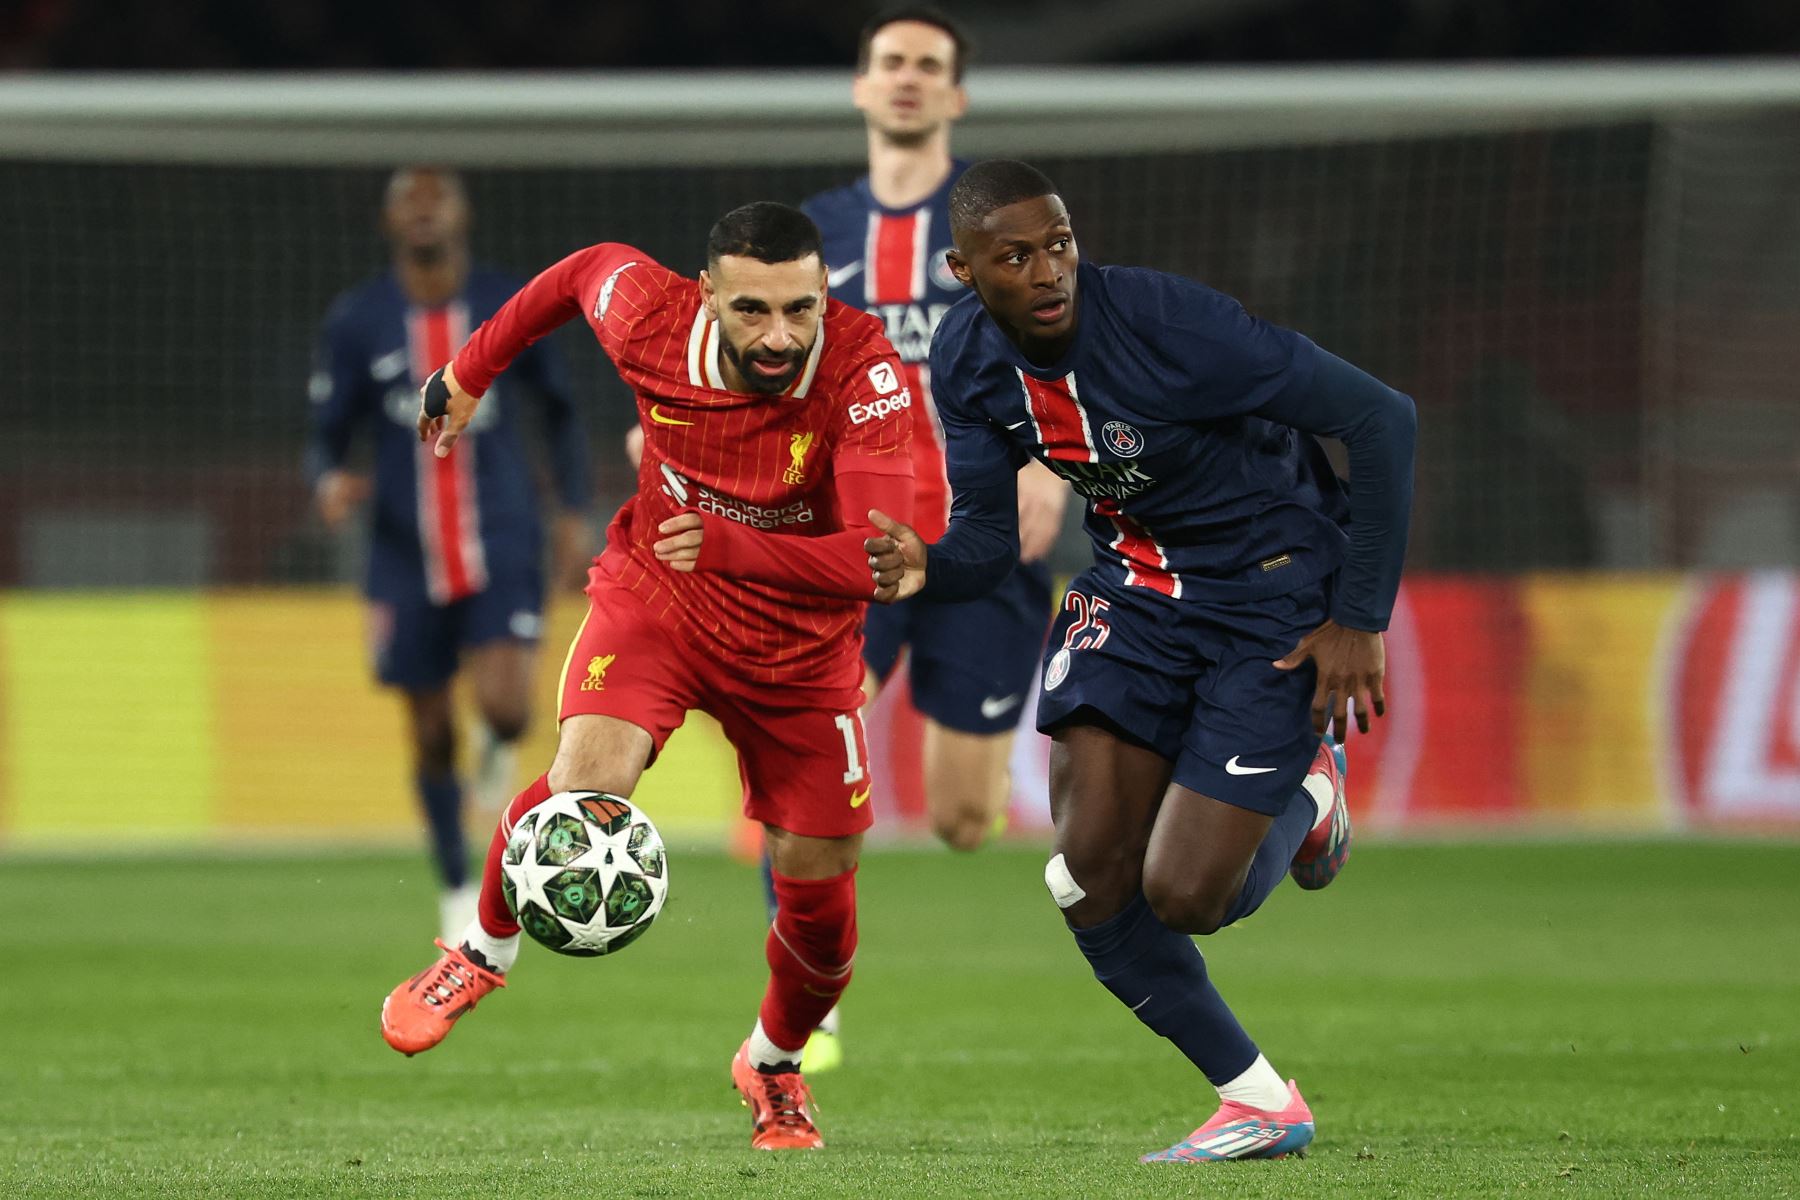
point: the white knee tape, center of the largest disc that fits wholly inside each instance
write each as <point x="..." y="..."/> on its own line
<point x="1063" y="888"/>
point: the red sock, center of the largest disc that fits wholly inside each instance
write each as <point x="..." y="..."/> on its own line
<point x="496" y="918"/>
<point x="810" y="948"/>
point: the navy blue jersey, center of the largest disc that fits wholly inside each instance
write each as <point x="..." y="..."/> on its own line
<point x="441" y="528"/>
<point x="890" y="262"/>
<point x="1184" y="422"/>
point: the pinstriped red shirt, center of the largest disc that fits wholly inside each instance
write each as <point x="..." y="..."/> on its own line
<point x="756" y="466"/>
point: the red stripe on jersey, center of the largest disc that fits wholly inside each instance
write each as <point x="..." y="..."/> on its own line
<point x="1057" y="415"/>
<point x="446" y="484"/>
<point x="894" y="257"/>
<point x="1146" y="565"/>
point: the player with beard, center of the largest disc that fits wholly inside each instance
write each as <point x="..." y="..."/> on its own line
<point x="1234" y="607"/>
<point x="733" y="582"/>
<point x="455" y="577"/>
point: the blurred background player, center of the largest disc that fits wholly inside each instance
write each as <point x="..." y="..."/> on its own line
<point x="1234" y="606"/>
<point x="733" y="582"/>
<point x="455" y="570"/>
<point x="970" y="664"/>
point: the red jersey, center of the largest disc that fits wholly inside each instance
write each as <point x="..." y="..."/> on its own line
<point x="890" y="262"/>
<point x="773" y="476"/>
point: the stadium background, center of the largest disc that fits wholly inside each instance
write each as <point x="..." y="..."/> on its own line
<point x="1593" y="303"/>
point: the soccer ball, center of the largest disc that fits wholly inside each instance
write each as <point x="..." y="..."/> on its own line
<point x="585" y="873"/>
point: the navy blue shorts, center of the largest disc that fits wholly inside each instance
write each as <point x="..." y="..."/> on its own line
<point x="417" y="644"/>
<point x="1195" y="682"/>
<point x="972" y="663"/>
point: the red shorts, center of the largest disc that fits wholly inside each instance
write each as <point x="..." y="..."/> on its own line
<point x="805" y="767"/>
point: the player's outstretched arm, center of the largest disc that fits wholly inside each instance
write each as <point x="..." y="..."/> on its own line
<point x="834" y="564"/>
<point x="1378" y="427"/>
<point x="981" y="546"/>
<point x="552" y="298"/>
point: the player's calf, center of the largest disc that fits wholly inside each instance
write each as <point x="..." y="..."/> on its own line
<point x="811" y="948"/>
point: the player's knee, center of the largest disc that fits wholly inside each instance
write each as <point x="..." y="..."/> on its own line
<point x="434" y="747"/>
<point x="1107" y="870"/>
<point x="1185" y="905"/>
<point x="1090" y="887"/>
<point x="599" y="754"/>
<point x="962" y="827"/>
<point x="507" y="721"/>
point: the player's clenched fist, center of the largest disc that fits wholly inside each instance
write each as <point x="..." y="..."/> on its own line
<point x="680" y="544"/>
<point x="445" y="409"/>
<point x="896" y="559"/>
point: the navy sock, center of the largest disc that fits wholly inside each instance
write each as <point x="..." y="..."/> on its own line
<point x="768" y="878"/>
<point x="441" y="798"/>
<point x="1275" y="855"/>
<point x="1161" y="977"/>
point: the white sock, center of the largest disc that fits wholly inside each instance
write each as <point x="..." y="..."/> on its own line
<point x="764" y="1053"/>
<point x="1319" y="788"/>
<point x="456" y="908"/>
<point x="499" y="953"/>
<point x="1259" y="1087"/>
<point x="496" y="763"/>
<point x="829" y="1023"/>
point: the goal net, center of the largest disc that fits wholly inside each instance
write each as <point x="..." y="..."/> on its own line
<point x="1588" y="277"/>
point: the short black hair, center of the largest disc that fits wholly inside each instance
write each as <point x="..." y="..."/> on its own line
<point x="924" y="14"/>
<point x="450" y="176"/>
<point x="766" y="231"/>
<point x="994" y="183"/>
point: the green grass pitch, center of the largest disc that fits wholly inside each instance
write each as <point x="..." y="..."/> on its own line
<point x="1606" y="1019"/>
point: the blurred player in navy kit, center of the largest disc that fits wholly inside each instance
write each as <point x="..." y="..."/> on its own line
<point x="1232" y="612"/>
<point x="455" y="571"/>
<point x="970" y="664"/>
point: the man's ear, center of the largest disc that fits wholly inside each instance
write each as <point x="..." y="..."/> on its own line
<point x="708" y="296"/>
<point x="959" y="267"/>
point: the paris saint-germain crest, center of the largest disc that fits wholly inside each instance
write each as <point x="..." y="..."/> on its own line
<point x="1122" y="439"/>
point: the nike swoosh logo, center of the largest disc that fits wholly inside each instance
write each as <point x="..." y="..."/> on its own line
<point x="859" y="799"/>
<point x="1233" y="768"/>
<point x="1018" y="424"/>
<point x="1144" y="1001"/>
<point x="842" y="275"/>
<point x="657" y="416"/>
<point x="993" y="706"/>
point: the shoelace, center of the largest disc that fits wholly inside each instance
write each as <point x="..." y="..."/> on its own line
<point x="454" y="975"/>
<point x="445" y="986"/>
<point x="787" y="1097"/>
